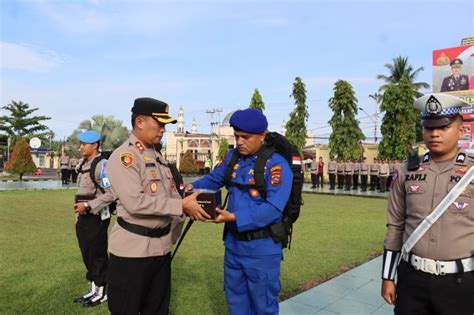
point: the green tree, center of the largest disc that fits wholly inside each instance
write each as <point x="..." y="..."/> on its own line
<point x="399" y="121"/>
<point x="257" y="101"/>
<point x="223" y="148"/>
<point x="20" y="161"/>
<point x="20" y="123"/>
<point x="296" y="125"/>
<point x="187" y="164"/>
<point x="346" y="136"/>
<point x="399" y="69"/>
<point x="112" y="132"/>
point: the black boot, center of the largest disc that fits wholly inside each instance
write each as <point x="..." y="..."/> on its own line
<point x="100" y="296"/>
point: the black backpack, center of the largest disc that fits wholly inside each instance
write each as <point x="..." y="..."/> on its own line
<point x="275" y="142"/>
<point x="104" y="155"/>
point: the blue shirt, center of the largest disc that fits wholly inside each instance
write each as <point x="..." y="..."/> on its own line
<point x="251" y="210"/>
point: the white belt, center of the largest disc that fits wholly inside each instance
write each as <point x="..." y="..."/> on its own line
<point x="438" y="267"/>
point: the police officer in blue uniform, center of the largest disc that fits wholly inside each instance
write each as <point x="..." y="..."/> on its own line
<point x="252" y="257"/>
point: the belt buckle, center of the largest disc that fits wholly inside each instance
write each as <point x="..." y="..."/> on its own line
<point x="431" y="266"/>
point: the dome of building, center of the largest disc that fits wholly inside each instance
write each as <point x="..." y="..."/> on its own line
<point x="225" y="121"/>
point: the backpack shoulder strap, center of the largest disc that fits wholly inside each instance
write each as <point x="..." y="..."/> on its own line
<point x="259" y="169"/>
<point x="94" y="163"/>
<point x="229" y="168"/>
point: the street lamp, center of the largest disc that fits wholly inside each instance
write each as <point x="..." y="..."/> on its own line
<point x="374" y="121"/>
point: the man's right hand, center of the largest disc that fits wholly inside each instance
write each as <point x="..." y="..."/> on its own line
<point x="192" y="208"/>
<point x="389" y="291"/>
<point x="188" y="187"/>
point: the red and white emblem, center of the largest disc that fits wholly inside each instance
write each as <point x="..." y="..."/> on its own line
<point x="415" y="188"/>
<point x="296" y="160"/>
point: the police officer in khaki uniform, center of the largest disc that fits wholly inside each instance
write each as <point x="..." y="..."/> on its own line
<point x="436" y="277"/>
<point x="348" y="172"/>
<point x="340" y="174"/>
<point x="74" y="163"/>
<point x="65" y="165"/>
<point x="384" y="171"/>
<point x="374" y="175"/>
<point x="332" y="169"/>
<point x="149" y="216"/>
<point x="93" y="218"/>
<point x="364" y="172"/>
<point x="355" y="175"/>
<point x="456" y="81"/>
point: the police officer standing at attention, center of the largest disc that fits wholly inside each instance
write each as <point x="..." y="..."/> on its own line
<point x="149" y="216"/>
<point x="364" y="172"/>
<point x="374" y="175"/>
<point x="252" y="257"/>
<point x="435" y="275"/>
<point x="93" y="218"/>
<point x="74" y="161"/>
<point x="332" y="168"/>
<point x="65" y="165"/>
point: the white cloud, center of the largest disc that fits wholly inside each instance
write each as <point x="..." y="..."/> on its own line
<point x="28" y="58"/>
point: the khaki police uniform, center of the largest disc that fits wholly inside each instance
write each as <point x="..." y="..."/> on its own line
<point x="436" y="277"/>
<point x="340" y="174"/>
<point x="364" y="172"/>
<point x="74" y="163"/>
<point x="348" y="172"/>
<point x="148" y="203"/>
<point x="64" y="165"/>
<point x="384" y="172"/>
<point x="91" y="228"/>
<point x="374" y="175"/>
<point x="332" y="169"/>
<point x="314" y="173"/>
<point x="355" y="175"/>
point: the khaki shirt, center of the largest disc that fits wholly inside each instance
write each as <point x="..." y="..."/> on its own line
<point x="384" y="170"/>
<point x="340" y="168"/>
<point x="314" y="167"/>
<point x="64" y="162"/>
<point x="73" y="162"/>
<point x="85" y="186"/>
<point x="415" y="194"/>
<point x="364" y="168"/>
<point x="356" y="168"/>
<point x="332" y="167"/>
<point x="147" y="196"/>
<point x="348" y="168"/>
<point x="374" y="169"/>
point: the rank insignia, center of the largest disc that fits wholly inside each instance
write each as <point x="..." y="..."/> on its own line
<point x="254" y="193"/>
<point x="147" y="158"/>
<point x="251" y="172"/>
<point x="153" y="187"/>
<point x="415" y="188"/>
<point x="461" y="158"/>
<point x="127" y="159"/>
<point x="426" y="157"/>
<point x="236" y="166"/>
<point x="275" y="175"/>
<point x="460" y="205"/>
<point x="140" y="146"/>
<point x="252" y="181"/>
<point x="153" y="173"/>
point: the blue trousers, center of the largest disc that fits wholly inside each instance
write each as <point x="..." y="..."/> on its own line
<point x="252" y="283"/>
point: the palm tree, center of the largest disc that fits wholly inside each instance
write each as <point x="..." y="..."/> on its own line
<point x="401" y="68"/>
<point x="111" y="130"/>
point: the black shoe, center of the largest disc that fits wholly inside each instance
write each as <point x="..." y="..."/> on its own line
<point x="100" y="296"/>
<point x="86" y="296"/>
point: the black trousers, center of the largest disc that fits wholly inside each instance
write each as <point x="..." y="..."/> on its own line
<point x="422" y="293"/>
<point x="383" y="183"/>
<point x="389" y="182"/>
<point x="65" y="175"/>
<point x="332" y="181"/>
<point x="73" y="176"/>
<point x="363" y="180"/>
<point x="348" y="181"/>
<point x="139" y="285"/>
<point x="340" y="181"/>
<point x="319" y="179"/>
<point x="314" y="180"/>
<point x="355" y="181"/>
<point x="374" y="181"/>
<point x="91" y="233"/>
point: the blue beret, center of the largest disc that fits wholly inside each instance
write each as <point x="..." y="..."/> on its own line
<point x="89" y="136"/>
<point x="249" y="120"/>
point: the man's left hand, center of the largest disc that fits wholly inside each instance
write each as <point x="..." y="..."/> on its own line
<point x="224" y="216"/>
<point x="80" y="208"/>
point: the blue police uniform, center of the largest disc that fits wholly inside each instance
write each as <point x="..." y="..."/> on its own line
<point x="252" y="268"/>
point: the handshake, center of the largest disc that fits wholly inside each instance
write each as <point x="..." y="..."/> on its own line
<point x="203" y="205"/>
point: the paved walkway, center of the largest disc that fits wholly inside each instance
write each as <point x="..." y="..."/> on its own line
<point x="325" y="190"/>
<point x="354" y="292"/>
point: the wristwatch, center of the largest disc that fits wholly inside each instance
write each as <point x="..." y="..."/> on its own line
<point x="88" y="208"/>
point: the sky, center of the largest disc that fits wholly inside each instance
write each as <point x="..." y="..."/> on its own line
<point x="75" y="59"/>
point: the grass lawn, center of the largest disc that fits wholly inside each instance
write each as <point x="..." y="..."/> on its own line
<point x="41" y="267"/>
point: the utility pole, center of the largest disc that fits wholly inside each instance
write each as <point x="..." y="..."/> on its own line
<point x="377" y="98"/>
